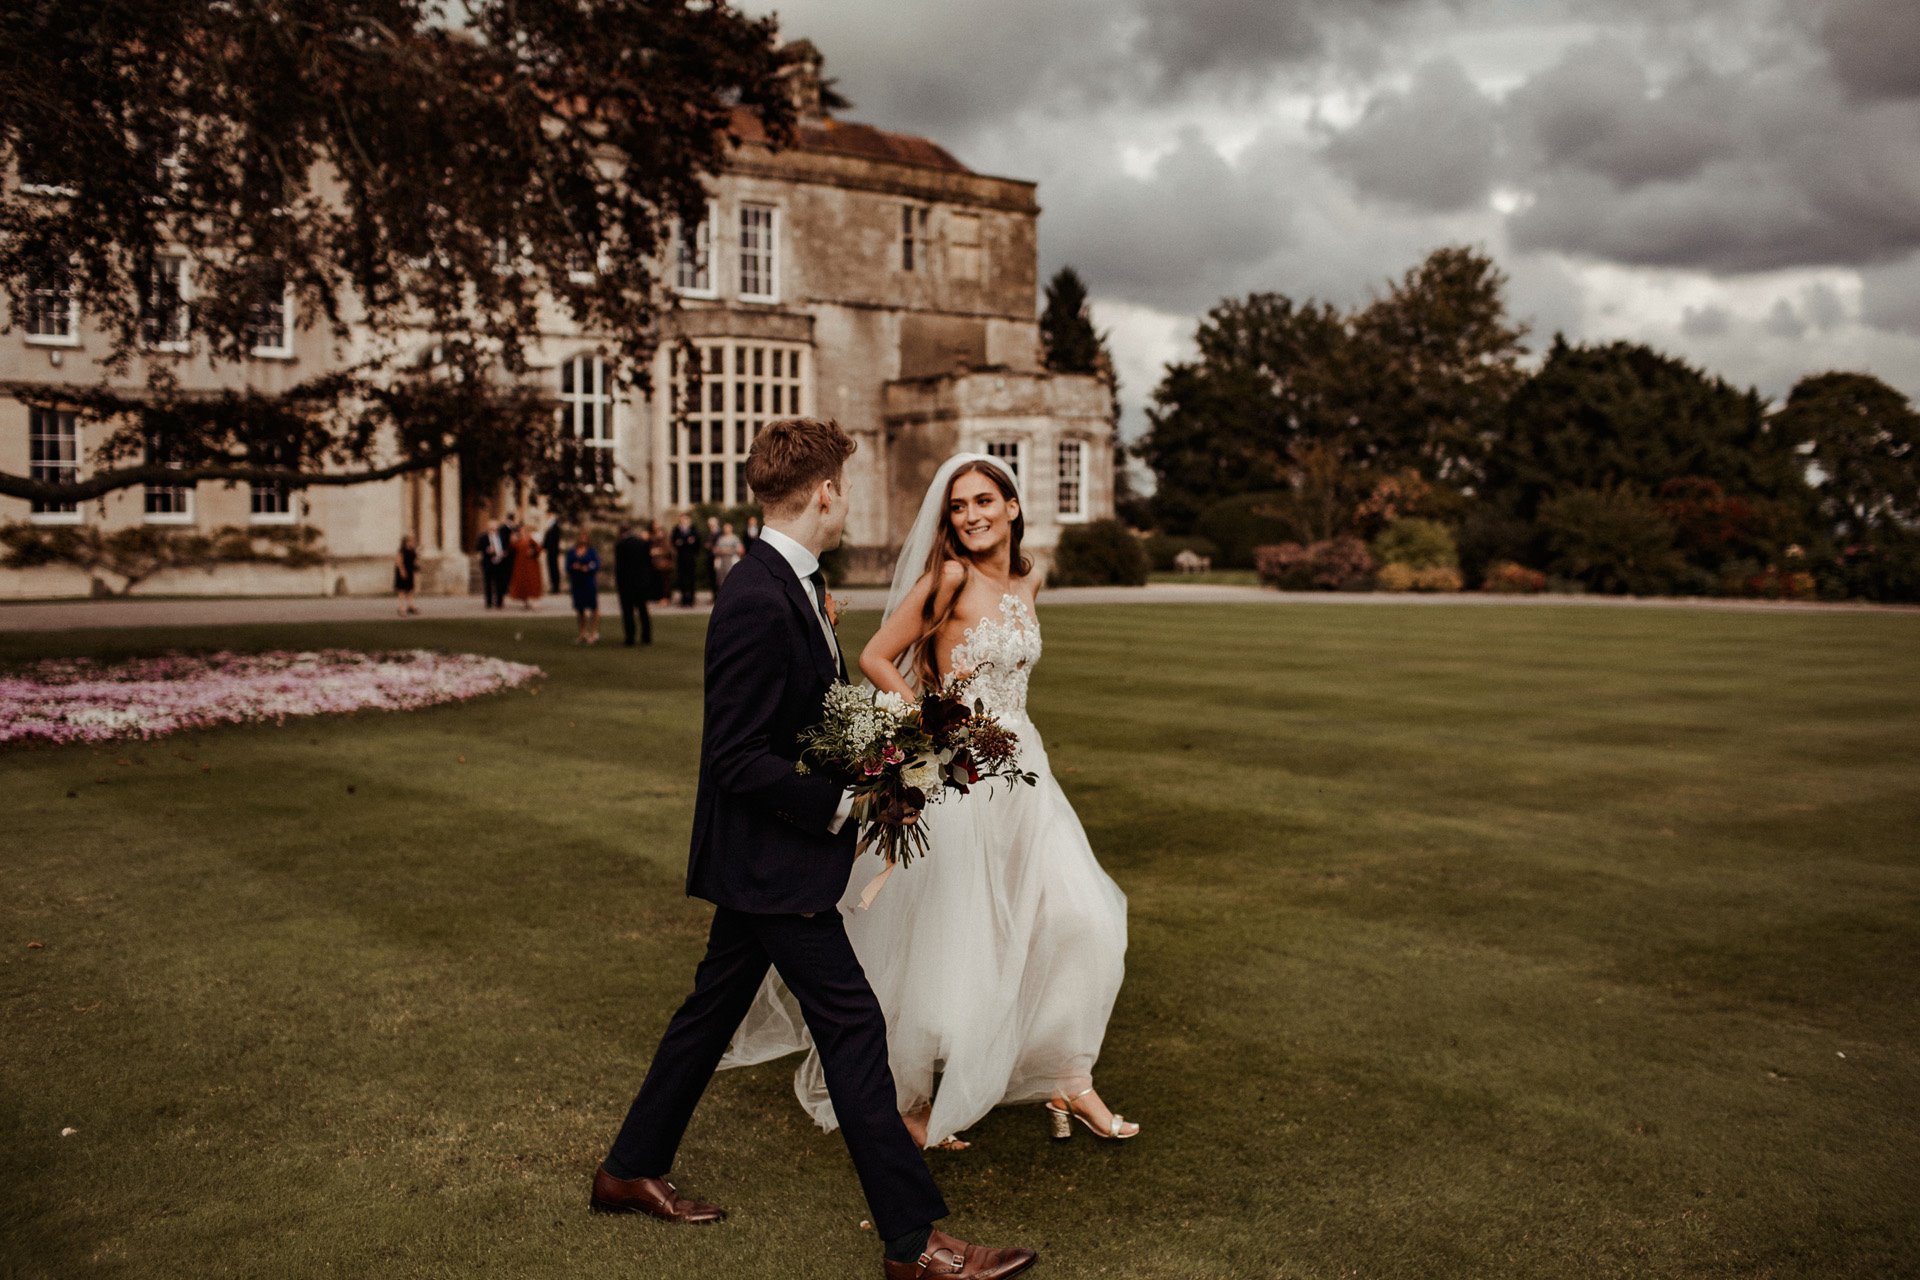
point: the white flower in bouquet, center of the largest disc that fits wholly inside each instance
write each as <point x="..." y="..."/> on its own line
<point x="923" y="773"/>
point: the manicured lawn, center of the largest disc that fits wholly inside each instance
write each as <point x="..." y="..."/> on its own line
<point x="1465" y="942"/>
<point x="1211" y="578"/>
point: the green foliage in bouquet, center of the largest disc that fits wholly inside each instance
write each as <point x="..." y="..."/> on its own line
<point x="901" y="756"/>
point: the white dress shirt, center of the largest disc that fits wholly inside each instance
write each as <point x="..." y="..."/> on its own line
<point x="804" y="564"/>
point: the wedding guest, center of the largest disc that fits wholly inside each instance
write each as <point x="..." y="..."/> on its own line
<point x="751" y="534"/>
<point x="686" y="556"/>
<point x="496" y="561"/>
<point x="583" y="577"/>
<point x="635" y="580"/>
<point x="525" y="583"/>
<point x="551" y="542"/>
<point x="406" y="569"/>
<point x="662" y="552"/>
<point x="707" y="541"/>
<point x="727" y="550"/>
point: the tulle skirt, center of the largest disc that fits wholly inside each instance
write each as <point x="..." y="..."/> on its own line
<point x="996" y="957"/>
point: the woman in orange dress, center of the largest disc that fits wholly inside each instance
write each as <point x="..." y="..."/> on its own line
<point x="526" y="586"/>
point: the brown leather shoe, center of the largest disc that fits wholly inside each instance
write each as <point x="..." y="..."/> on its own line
<point x="949" y="1259"/>
<point x="653" y="1196"/>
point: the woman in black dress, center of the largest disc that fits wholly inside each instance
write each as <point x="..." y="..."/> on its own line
<point x="406" y="569"/>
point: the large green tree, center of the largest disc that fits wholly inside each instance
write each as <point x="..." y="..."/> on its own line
<point x="1416" y="381"/>
<point x="1268" y="377"/>
<point x="420" y="176"/>
<point x="1437" y="360"/>
<point x="1068" y="339"/>
<point x="1622" y="415"/>
<point x="1863" y="437"/>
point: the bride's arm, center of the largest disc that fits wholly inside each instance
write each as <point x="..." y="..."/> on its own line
<point x="896" y="635"/>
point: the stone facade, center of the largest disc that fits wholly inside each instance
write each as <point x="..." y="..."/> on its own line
<point x="860" y="275"/>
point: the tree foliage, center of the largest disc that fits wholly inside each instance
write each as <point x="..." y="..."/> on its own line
<point x="1623" y="415"/>
<point x="422" y="187"/>
<point x="1415" y="381"/>
<point x="1268" y="376"/>
<point x="1070" y="342"/>
<point x="136" y="554"/>
<point x="1614" y="466"/>
<point x="1098" y="553"/>
<point x="1864" y="438"/>
<point x="1437" y="360"/>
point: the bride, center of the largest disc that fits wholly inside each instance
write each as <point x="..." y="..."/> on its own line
<point x="997" y="957"/>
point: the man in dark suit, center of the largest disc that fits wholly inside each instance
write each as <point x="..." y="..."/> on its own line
<point x="550" y="543"/>
<point x="495" y="553"/>
<point x="686" y="556"/>
<point x="772" y="850"/>
<point x="633" y="578"/>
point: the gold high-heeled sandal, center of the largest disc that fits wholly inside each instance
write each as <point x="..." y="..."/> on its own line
<point x="1062" y="1119"/>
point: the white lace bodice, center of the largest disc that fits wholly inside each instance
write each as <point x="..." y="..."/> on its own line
<point x="1001" y="651"/>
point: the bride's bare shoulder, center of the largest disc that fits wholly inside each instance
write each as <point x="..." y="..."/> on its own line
<point x="942" y="581"/>
<point x="952" y="575"/>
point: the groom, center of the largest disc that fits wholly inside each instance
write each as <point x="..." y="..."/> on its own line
<point x="772" y="850"/>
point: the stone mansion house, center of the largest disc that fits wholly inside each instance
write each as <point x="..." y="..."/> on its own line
<point x="859" y="274"/>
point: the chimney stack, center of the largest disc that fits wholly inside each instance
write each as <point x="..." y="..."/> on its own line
<point x="802" y="73"/>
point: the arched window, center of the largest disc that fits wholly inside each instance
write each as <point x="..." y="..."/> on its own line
<point x="587" y="420"/>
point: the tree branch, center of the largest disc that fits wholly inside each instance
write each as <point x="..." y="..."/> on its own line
<point x="101" y="483"/>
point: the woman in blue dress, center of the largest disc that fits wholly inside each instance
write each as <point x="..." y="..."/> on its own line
<point x="583" y="576"/>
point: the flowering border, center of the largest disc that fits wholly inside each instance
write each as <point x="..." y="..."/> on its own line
<point x="70" y="700"/>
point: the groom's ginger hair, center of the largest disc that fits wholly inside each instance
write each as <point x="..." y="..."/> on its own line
<point x="792" y="455"/>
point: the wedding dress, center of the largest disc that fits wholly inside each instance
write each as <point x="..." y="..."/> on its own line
<point x="998" y="955"/>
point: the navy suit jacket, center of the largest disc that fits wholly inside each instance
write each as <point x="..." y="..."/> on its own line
<point x="760" y="838"/>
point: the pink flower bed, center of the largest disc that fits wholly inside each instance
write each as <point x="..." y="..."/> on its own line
<point x="80" y="700"/>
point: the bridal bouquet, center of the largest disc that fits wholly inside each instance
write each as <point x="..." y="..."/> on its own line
<point x="906" y="755"/>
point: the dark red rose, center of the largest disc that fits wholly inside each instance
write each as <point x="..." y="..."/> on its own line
<point x="940" y="714"/>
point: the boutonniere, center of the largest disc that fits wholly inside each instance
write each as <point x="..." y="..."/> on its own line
<point x="833" y="611"/>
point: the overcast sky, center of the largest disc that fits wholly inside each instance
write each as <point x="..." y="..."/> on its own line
<point x="1733" y="181"/>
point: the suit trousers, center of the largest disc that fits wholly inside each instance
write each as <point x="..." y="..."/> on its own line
<point x="635" y="603"/>
<point x="684" y="569"/>
<point x="818" y="965"/>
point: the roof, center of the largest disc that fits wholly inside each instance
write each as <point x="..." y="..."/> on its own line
<point x="841" y="137"/>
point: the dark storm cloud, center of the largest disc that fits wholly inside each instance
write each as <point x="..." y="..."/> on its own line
<point x="1720" y="136"/>
<point x="1199" y="40"/>
<point x="954" y="71"/>
<point x="1594" y="111"/>
<point x="1181" y="237"/>
<point x="1724" y="172"/>
<point x="1433" y="147"/>
<point x="1874" y="46"/>
<point x="1186" y="39"/>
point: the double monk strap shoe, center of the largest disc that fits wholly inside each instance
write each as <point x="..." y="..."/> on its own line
<point x="948" y="1259"/>
<point x="652" y="1196"/>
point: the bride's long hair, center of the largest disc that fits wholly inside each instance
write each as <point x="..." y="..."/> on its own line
<point x="947" y="547"/>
